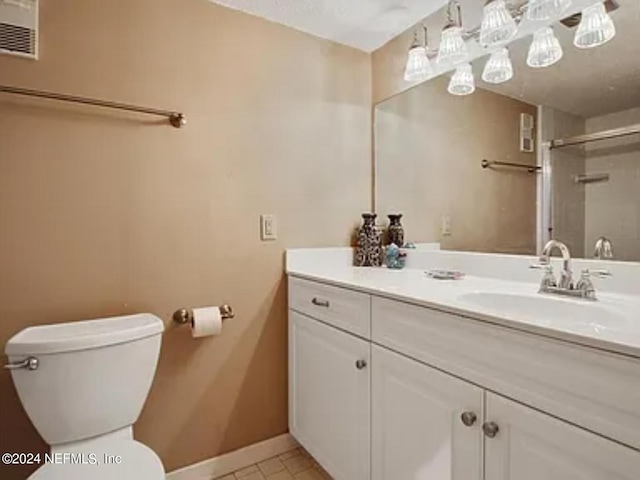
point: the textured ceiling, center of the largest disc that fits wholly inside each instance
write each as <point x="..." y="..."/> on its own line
<point x="363" y="24"/>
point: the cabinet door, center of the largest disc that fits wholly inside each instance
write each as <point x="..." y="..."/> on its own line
<point x="417" y="425"/>
<point x="330" y="395"/>
<point x="529" y="445"/>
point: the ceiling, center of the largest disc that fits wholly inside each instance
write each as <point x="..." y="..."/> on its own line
<point x="364" y="24"/>
<point x="586" y="83"/>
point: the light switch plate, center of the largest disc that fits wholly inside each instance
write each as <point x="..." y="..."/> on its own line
<point x="446" y="226"/>
<point x="268" y="227"/>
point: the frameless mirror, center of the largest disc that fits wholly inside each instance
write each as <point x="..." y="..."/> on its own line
<point x="553" y="152"/>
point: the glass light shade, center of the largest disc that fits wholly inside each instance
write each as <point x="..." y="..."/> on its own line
<point x="498" y="26"/>
<point x="596" y="27"/>
<point x="545" y="50"/>
<point x="452" y="48"/>
<point x="462" y="81"/>
<point x="539" y="10"/>
<point x="499" y="68"/>
<point x="418" y="66"/>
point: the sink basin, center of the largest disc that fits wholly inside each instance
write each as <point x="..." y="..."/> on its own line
<point x="547" y="310"/>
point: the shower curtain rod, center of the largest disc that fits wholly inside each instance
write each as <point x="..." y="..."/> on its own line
<point x="592" y="137"/>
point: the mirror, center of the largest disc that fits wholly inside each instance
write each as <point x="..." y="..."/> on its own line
<point x="488" y="171"/>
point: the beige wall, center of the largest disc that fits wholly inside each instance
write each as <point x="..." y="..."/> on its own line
<point x="568" y="197"/>
<point x="613" y="207"/>
<point x="388" y="62"/>
<point x="429" y="148"/>
<point x="387" y="66"/>
<point x="108" y="213"/>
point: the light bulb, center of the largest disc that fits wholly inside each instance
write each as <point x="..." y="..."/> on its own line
<point x="498" y="26"/>
<point x="540" y="10"/>
<point x="596" y="27"/>
<point x="545" y="50"/>
<point x="499" y="68"/>
<point x="462" y="81"/>
<point x="418" y="67"/>
<point x="452" y="48"/>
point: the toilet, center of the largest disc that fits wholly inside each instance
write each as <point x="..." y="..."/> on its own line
<point x="83" y="385"/>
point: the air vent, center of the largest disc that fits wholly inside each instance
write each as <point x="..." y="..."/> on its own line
<point x="19" y="28"/>
<point x="527" y="124"/>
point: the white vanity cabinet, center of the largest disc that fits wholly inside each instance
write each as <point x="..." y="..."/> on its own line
<point x="529" y="445"/>
<point x="385" y="390"/>
<point x="329" y="387"/>
<point x="425" y="423"/>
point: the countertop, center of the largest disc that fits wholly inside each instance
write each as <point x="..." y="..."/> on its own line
<point x="415" y="287"/>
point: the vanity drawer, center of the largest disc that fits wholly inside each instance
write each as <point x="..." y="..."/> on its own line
<point x="597" y="390"/>
<point x="342" y="308"/>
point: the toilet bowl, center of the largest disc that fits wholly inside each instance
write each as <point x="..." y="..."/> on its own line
<point x="83" y="385"/>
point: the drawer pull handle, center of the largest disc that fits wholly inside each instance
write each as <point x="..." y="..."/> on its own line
<point x="490" y="429"/>
<point x="361" y="364"/>
<point x="320" y="303"/>
<point x="468" y="418"/>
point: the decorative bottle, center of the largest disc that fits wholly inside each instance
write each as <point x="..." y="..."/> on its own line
<point x="395" y="233"/>
<point x="368" y="251"/>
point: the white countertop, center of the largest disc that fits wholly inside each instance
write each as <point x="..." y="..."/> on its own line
<point x="414" y="286"/>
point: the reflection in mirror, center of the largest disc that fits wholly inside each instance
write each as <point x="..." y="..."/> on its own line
<point x="492" y="171"/>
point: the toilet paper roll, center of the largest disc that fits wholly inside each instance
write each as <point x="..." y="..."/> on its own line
<point x="206" y="322"/>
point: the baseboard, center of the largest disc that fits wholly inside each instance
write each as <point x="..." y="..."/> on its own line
<point x="230" y="462"/>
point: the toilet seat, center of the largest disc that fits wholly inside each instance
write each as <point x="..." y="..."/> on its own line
<point x="138" y="462"/>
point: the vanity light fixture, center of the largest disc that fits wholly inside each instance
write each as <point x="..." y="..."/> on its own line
<point x="418" y="66"/>
<point x="499" y="68"/>
<point x="498" y="26"/>
<point x="462" y="81"/>
<point x="453" y="48"/>
<point x="596" y="27"/>
<point x="545" y="50"/>
<point x="541" y="10"/>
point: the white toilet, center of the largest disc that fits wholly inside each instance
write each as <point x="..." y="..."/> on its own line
<point x="83" y="385"/>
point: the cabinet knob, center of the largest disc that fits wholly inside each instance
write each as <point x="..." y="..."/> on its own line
<point x="490" y="429"/>
<point x="468" y="418"/>
<point x="320" y="303"/>
<point x="361" y="364"/>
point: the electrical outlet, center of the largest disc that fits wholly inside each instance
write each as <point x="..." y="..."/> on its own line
<point x="446" y="226"/>
<point x="268" y="227"/>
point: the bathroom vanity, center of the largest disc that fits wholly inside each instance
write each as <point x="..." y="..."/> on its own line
<point x="395" y="376"/>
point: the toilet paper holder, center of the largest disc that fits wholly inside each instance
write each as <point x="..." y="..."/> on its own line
<point x="185" y="315"/>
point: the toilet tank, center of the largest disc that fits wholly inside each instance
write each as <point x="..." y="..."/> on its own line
<point x="93" y="377"/>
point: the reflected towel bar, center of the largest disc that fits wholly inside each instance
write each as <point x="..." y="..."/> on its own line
<point x="529" y="168"/>
<point x="176" y="119"/>
<point x="591" y="178"/>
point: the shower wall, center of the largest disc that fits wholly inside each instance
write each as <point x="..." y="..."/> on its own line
<point x="568" y="198"/>
<point x="612" y="208"/>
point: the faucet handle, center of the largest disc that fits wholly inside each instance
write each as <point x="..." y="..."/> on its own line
<point x="596" y="273"/>
<point x="548" y="279"/>
<point x="547" y="267"/>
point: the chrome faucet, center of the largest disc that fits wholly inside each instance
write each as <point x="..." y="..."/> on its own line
<point x="565" y="286"/>
<point x="603" y="249"/>
<point x="566" y="277"/>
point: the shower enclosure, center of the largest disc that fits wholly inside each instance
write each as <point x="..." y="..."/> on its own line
<point x="589" y="186"/>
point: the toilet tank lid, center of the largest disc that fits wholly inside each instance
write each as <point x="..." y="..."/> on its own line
<point x="83" y="335"/>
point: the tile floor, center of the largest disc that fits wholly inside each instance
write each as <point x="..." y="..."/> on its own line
<point x="296" y="464"/>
